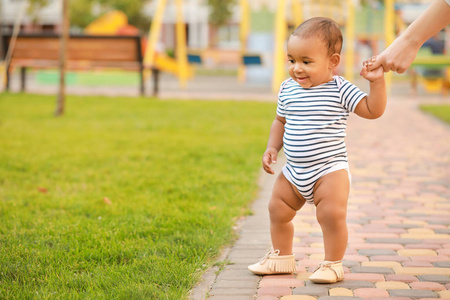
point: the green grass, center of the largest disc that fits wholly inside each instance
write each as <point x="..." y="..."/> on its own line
<point x="89" y="78"/>
<point x="440" y="111"/>
<point x="177" y="174"/>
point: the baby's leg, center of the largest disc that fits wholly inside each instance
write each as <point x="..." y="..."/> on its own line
<point x="283" y="205"/>
<point x="330" y="197"/>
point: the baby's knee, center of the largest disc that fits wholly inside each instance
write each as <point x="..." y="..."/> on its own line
<point x="331" y="215"/>
<point x="279" y="211"/>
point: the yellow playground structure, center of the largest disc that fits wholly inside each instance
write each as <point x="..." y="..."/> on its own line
<point x="288" y="13"/>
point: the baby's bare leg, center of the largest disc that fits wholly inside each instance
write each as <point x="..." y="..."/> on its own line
<point x="330" y="197"/>
<point x="283" y="205"/>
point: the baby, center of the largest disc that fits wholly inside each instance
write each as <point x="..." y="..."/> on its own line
<point x="313" y="108"/>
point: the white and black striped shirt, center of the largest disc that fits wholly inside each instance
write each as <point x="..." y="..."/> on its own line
<point x="316" y="120"/>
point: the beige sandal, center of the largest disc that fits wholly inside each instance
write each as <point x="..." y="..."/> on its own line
<point x="273" y="263"/>
<point x="328" y="272"/>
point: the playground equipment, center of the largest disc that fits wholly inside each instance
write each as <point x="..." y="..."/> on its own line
<point x="152" y="59"/>
<point x="343" y="12"/>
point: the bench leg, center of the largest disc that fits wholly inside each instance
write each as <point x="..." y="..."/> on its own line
<point x="22" y="78"/>
<point x="8" y="77"/>
<point x="155" y="75"/>
<point x="142" y="87"/>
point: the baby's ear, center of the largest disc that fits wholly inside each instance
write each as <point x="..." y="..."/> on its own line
<point x="334" y="60"/>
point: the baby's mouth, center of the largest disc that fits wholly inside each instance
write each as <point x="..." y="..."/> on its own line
<point x="302" y="79"/>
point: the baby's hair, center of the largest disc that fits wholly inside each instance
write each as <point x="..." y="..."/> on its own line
<point x="324" y="28"/>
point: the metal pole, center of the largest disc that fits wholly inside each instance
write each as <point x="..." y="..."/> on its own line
<point x="350" y="41"/>
<point x="279" y="53"/>
<point x="181" y="45"/>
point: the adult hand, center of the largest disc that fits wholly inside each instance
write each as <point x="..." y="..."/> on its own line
<point x="397" y="57"/>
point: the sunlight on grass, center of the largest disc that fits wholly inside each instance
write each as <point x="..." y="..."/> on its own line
<point x="121" y="197"/>
<point x="440" y="111"/>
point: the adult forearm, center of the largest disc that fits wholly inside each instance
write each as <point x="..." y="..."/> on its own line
<point x="430" y="22"/>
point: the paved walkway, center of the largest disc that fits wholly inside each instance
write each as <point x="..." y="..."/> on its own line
<point x="398" y="219"/>
<point x="398" y="216"/>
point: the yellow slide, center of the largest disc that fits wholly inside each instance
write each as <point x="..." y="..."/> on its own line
<point x="168" y="64"/>
<point x="108" y="24"/>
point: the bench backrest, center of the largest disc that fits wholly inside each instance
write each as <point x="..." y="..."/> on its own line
<point x="79" y="48"/>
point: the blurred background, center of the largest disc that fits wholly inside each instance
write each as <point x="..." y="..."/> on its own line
<point x="235" y="46"/>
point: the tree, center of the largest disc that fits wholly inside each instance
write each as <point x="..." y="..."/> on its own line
<point x="82" y="11"/>
<point x="221" y="11"/>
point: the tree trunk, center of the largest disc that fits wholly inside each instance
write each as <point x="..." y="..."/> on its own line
<point x="60" y="104"/>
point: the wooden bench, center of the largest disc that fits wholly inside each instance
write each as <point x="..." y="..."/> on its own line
<point x="83" y="53"/>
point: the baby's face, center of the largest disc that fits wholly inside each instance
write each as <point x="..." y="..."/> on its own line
<point x="309" y="62"/>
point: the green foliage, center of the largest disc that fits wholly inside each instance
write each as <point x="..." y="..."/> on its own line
<point x="81" y="13"/>
<point x="122" y="198"/>
<point x="220" y="11"/>
<point x="34" y="6"/>
<point x="441" y="111"/>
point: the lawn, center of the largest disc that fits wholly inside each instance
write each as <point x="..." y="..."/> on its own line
<point x="440" y="111"/>
<point x="121" y="197"/>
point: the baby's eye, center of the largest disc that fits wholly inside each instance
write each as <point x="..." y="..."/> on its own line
<point x="291" y="61"/>
<point x="306" y="62"/>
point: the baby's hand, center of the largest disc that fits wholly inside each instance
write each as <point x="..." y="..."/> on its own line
<point x="373" y="75"/>
<point x="269" y="157"/>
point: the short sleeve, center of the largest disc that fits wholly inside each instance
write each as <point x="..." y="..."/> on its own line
<point x="350" y="95"/>
<point x="280" y="105"/>
<point x="448" y="2"/>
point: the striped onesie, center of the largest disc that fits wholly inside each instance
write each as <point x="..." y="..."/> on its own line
<point x="316" y="119"/>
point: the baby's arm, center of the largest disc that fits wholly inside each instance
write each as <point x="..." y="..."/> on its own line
<point x="372" y="106"/>
<point x="274" y="144"/>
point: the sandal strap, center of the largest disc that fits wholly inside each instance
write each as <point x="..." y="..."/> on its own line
<point x="268" y="255"/>
<point x="329" y="264"/>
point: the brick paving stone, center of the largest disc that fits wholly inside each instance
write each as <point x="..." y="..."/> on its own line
<point x="392" y="285"/>
<point x="434" y="278"/>
<point x="355" y="257"/>
<point x="423" y="246"/>
<point x="415" y="294"/>
<point x="370" y="293"/>
<point x="374" y="252"/>
<point x="350" y="263"/>
<point x="385" y="264"/>
<point x="311" y="290"/>
<point x="444" y="294"/>
<point x="234" y="297"/>
<point x="401" y="278"/>
<point x="416" y="252"/>
<point x="442" y="264"/>
<point x="432" y="286"/>
<point x="377" y="270"/>
<point x="282" y="282"/>
<point x="266" y="298"/>
<point x="349" y="284"/>
<point x="277" y="291"/>
<point x="297" y="297"/>
<point x="340" y="292"/>
<point x="364" y="277"/>
<point x="444" y="251"/>
<point x="231" y="292"/>
<point x="393" y="241"/>
<point x="396" y="258"/>
<point x="236" y="284"/>
<point x="404" y="226"/>
<point x="340" y="298"/>
<point x="417" y="264"/>
<point x="430" y="259"/>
